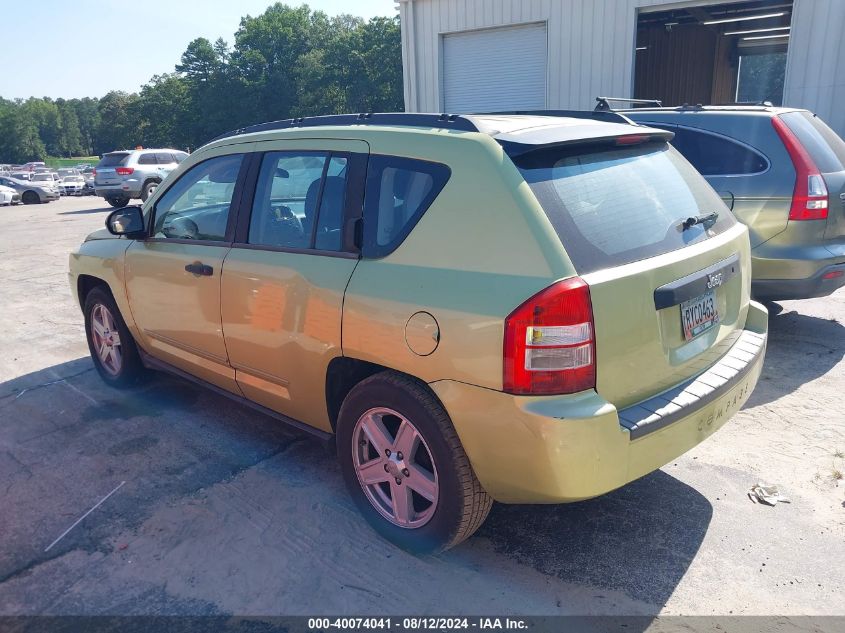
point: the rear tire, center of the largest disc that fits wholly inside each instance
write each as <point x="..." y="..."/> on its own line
<point x="118" y="202"/>
<point x="436" y="465"/>
<point x="30" y="197"/>
<point x="112" y="347"/>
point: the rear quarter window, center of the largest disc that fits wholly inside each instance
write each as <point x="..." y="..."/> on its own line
<point x="715" y="155"/>
<point x="398" y="193"/>
<point x="614" y="206"/>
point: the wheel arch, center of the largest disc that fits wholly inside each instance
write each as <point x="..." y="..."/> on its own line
<point x="344" y="373"/>
<point x="86" y="283"/>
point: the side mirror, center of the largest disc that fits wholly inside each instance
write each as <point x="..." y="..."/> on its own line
<point x="128" y="221"/>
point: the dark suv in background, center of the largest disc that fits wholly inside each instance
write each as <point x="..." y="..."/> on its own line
<point x="783" y="169"/>
<point x="123" y="175"/>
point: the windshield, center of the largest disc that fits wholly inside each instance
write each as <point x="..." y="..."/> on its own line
<point x="40" y="177"/>
<point x="613" y="206"/>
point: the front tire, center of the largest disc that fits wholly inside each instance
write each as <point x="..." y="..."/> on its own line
<point x="112" y="347"/>
<point x="405" y="466"/>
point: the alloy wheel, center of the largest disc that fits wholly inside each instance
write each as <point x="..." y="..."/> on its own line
<point x="106" y="339"/>
<point x="395" y="467"/>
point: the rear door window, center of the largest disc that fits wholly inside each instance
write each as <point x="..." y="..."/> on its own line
<point x="825" y="147"/>
<point x="614" y="206"/>
<point x="147" y="159"/>
<point x="299" y="201"/>
<point x="165" y="158"/>
<point x="115" y="159"/>
<point x="398" y="193"/>
<point x="714" y="155"/>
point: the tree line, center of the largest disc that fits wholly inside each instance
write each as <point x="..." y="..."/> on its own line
<point x="286" y="62"/>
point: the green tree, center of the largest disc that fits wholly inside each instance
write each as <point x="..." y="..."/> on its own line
<point x="120" y="125"/>
<point x="164" y="108"/>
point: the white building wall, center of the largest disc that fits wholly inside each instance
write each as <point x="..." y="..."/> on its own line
<point x="591" y="48"/>
<point x="815" y="65"/>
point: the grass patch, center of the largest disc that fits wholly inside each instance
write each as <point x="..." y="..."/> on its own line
<point x="71" y="162"/>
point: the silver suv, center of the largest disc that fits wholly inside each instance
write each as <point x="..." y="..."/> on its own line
<point x="121" y="176"/>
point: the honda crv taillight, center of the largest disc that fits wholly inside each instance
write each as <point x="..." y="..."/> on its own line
<point x="549" y="345"/>
<point x="809" y="198"/>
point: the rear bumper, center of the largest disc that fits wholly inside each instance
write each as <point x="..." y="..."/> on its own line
<point x="117" y="191"/>
<point x="826" y="281"/>
<point x="554" y="449"/>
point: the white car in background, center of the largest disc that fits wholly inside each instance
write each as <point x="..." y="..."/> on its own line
<point x="9" y="196"/>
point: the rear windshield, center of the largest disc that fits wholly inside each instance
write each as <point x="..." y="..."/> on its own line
<point x="614" y="206"/>
<point x="114" y="160"/>
<point x="825" y="147"/>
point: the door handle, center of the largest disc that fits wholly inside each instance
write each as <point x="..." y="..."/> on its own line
<point x="198" y="268"/>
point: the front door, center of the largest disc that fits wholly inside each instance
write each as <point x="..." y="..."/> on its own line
<point x="285" y="277"/>
<point x="173" y="277"/>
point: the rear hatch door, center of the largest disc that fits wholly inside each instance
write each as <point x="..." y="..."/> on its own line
<point x="106" y="170"/>
<point x="669" y="294"/>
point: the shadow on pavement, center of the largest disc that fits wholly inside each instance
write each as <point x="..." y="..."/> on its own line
<point x="638" y="540"/>
<point x="801" y="348"/>
<point x="87" y="211"/>
<point x="66" y="439"/>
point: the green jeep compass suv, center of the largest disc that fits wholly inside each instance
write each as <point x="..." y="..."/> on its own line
<point x="529" y="309"/>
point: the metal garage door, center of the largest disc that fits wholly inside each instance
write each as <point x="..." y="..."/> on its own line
<point x="495" y="69"/>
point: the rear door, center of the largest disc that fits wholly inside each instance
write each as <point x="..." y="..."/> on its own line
<point x="668" y="300"/>
<point x="173" y="276"/>
<point x="284" y="279"/>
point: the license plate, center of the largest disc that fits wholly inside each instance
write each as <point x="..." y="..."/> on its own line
<point x="699" y="314"/>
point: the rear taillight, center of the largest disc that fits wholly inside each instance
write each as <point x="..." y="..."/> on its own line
<point x="124" y="171"/>
<point x="809" y="198"/>
<point x="93" y="172"/>
<point x="550" y="343"/>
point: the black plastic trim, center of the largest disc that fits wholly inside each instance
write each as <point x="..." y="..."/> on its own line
<point x="695" y="284"/>
<point x="696" y="393"/>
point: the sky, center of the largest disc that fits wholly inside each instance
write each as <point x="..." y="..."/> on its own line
<point x="84" y="48"/>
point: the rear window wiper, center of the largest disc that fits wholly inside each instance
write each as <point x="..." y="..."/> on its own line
<point x="708" y="218"/>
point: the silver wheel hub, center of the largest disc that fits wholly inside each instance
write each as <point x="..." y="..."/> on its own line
<point x="395" y="467"/>
<point x="106" y="339"/>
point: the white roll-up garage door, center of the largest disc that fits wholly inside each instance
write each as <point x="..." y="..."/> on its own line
<point x="495" y="69"/>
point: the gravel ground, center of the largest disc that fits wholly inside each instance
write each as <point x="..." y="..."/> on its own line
<point x="224" y="511"/>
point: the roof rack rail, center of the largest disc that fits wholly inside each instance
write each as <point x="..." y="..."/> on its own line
<point x="603" y="104"/>
<point x="596" y="115"/>
<point x="765" y="104"/>
<point x="411" y="119"/>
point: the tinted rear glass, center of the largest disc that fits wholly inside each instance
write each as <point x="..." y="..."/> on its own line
<point x="147" y="159"/>
<point x="824" y="145"/>
<point x="113" y="160"/>
<point x="714" y="155"/>
<point x="614" y="206"/>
